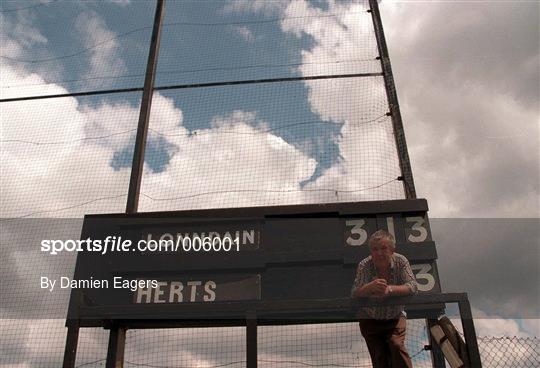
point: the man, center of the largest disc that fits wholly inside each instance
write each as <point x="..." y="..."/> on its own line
<point x="384" y="274"/>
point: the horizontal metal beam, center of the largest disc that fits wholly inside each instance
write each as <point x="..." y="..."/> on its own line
<point x="75" y="94"/>
<point x="269" y="80"/>
<point x="221" y="310"/>
<point x="288" y="211"/>
<point x="197" y="85"/>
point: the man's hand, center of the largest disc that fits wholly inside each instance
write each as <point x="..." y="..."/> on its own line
<point x="378" y="287"/>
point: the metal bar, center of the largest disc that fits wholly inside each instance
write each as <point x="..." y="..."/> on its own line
<point x="251" y="340"/>
<point x="117" y="335"/>
<point x="275" y="306"/>
<point x="437" y="356"/>
<point x="270" y="80"/>
<point x="255" y="213"/>
<point x="70" y="351"/>
<point x="117" y="343"/>
<point x="399" y="133"/>
<point x="197" y="85"/>
<point x="470" y="333"/>
<point x="76" y="94"/>
<point x="144" y="116"/>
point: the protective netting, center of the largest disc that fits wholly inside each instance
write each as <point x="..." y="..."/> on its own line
<point x="512" y="351"/>
<point x="319" y="345"/>
<point x="68" y="46"/>
<point x="329" y="345"/>
<point x="268" y="149"/>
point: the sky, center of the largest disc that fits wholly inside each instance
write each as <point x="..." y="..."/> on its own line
<point x="467" y="79"/>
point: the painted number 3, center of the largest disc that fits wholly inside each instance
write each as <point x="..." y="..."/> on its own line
<point x="358" y="234"/>
<point x="419" y="233"/>
<point x="426" y="281"/>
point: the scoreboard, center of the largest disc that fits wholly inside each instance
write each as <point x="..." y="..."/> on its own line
<point x="190" y="260"/>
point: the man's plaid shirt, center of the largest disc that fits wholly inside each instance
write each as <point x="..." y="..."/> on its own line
<point x="400" y="274"/>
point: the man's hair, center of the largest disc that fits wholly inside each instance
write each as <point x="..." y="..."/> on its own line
<point x="379" y="235"/>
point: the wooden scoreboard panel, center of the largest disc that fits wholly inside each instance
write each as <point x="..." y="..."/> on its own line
<point x="280" y="253"/>
<point x="413" y="239"/>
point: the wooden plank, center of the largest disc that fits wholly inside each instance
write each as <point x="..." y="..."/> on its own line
<point x="451" y="355"/>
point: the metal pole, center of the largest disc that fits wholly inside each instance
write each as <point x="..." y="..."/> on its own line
<point x="251" y="340"/>
<point x="397" y="123"/>
<point x="437" y="357"/>
<point x="144" y="115"/>
<point x="117" y="335"/>
<point x="470" y="333"/>
<point x="70" y="351"/>
<point x="115" y="351"/>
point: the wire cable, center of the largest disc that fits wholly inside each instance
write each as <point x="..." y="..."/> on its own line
<point x="183" y="366"/>
<point x="30" y="61"/>
<point x="313" y="364"/>
<point x="82" y="51"/>
<point x="189" y="134"/>
<point x="197" y="195"/>
<point x="66" y="142"/>
<point x="28" y="7"/>
<point x="268" y="66"/>
<point x="266" y="191"/>
<point x="63" y="208"/>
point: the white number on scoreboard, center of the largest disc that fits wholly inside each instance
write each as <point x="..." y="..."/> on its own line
<point x="418" y="232"/>
<point x="424" y="276"/>
<point x="358" y="234"/>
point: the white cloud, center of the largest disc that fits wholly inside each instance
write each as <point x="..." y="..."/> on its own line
<point x="474" y="144"/>
<point x="342" y="44"/>
<point x="51" y="176"/>
<point x="121" y="2"/>
<point x="18" y="27"/>
<point x="234" y="154"/>
<point x="255" y="6"/>
<point x="235" y="162"/>
<point x="104" y="59"/>
<point x="531" y="326"/>
<point x="246" y="33"/>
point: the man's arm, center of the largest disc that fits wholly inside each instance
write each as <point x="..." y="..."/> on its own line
<point x="398" y="290"/>
<point x="375" y="287"/>
<point x="362" y="287"/>
<point x="409" y="285"/>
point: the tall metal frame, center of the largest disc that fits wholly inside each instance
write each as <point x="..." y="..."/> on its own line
<point x="437" y="357"/>
<point x="115" y="354"/>
<point x="117" y="334"/>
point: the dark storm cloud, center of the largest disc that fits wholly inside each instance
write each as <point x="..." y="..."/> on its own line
<point x="468" y="79"/>
<point x="493" y="43"/>
<point x="496" y="261"/>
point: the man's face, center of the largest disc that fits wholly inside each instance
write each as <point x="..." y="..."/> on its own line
<point x="381" y="251"/>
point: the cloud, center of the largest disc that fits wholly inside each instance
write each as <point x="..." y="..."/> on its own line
<point x="55" y="175"/>
<point x="469" y="98"/>
<point x="234" y="163"/>
<point x="106" y="58"/>
<point x="470" y="123"/>
<point x="19" y="27"/>
<point x="121" y="3"/>
<point x="255" y="6"/>
<point x="246" y="33"/>
<point x="22" y="40"/>
<point x="341" y="44"/>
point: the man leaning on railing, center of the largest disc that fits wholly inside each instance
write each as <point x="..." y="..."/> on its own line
<point x="384" y="274"/>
